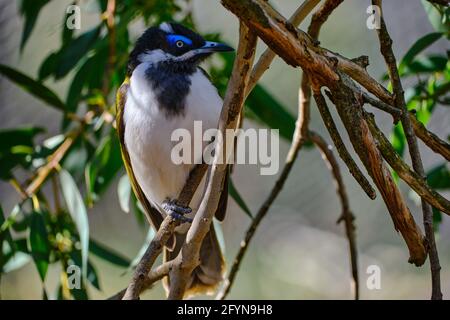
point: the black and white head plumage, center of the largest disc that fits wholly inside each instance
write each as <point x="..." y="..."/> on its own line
<point x="171" y="54"/>
<point x="169" y="43"/>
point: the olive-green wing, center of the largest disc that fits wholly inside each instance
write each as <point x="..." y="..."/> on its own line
<point x="153" y="214"/>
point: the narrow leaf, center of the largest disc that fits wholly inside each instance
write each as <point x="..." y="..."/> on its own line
<point x="237" y="197"/>
<point x="39" y="244"/>
<point x="77" y="210"/>
<point x="108" y="254"/>
<point x="419" y="46"/>
<point x="33" y="87"/>
<point x="124" y="193"/>
<point x="30" y="9"/>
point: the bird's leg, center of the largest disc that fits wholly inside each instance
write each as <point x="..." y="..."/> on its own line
<point x="176" y="211"/>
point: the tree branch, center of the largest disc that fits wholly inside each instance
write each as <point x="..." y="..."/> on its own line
<point x="350" y="111"/>
<point x="188" y="257"/>
<point x="267" y="57"/>
<point x="415" y="181"/>
<point x="399" y="99"/>
<point x="166" y="230"/>
<point x="429" y="138"/>
<point x="346" y="216"/>
<point x="340" y="146"/>
<point x="298" y="140"/>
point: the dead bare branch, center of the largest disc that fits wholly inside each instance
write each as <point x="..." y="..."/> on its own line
<point x="267" y="57"/>
<point x="404" y="171"/>
<point x="349" y="108"/>
<point x="164" y="233"/>
<point x="188" y="257"/>
<point x="399" y="99"/>
<point x="429" y="138"/>
<point x="346" y="216"/>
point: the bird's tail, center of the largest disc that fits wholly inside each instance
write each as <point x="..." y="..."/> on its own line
<point x="206" y="277"/>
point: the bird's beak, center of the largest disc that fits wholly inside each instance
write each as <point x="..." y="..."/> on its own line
<point x="204" y="51"/>
<point x="214" y="47"/>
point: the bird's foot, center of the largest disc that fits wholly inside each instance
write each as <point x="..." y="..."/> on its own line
<point x="176" y="211"/>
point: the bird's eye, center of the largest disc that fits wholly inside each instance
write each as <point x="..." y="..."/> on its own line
<point x="179" y="44"/>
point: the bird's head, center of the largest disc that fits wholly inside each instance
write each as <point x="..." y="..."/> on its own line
<point x="172" y="43"/>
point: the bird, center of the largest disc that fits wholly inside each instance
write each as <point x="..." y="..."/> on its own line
<point x="166" y="89"/>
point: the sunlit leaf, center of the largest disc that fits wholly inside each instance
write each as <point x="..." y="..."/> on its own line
<point x="17" y="261"/>
<point x="435" y="17"/>
<point x="124" y="193"/>
<point x="77" y="210"/>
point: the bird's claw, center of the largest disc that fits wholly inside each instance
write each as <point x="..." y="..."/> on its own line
<point x="176" y="211"/>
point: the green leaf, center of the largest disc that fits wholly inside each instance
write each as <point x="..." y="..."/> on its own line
<point x="17" y="149"/>
<point x="74" y="51"/>
<point x="39" y="243"/>
<point x="67" y="33"/>
<point x="30" y="9"/>
<point x="124" y="193"/>
<point x="104" y="166"/>
<point x="439" y="177"/>
<point x="435" y="17"/>
<point x="48" y="67"/>
<point x="427" y="64"/>
<point x="77" y="210"/>
<point x="79" y="81"/>
<point x="108" y="254"/>
<point x="33" y="87"/>
<point x="437" y="219"/>
<point x="270" y="112"/>
<point x="22" y="136"/>
<point x="139" y="211"/>
<point x="91" y="272"/>
<point x="237" y="197"/>
<point x="419" y="46"/>
<point x="398" y="139"/>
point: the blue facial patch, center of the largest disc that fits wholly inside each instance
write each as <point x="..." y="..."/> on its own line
<point x="173" y="38"/>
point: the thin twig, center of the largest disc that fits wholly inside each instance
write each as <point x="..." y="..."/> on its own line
<point x="405" y="173"/>
<point x="267" y="57"/>
<point x="109" y="18"/>
<point x="388" y="54"/>
<point x="298" y="140"/>
<point x="53" y="162"/>
<point x="429" y="138"/>
<point x="346" y="216"/>
<point x="395" y="112"/>
<point x="154" y="275"/>
<point x="340" y="146"/>
<point x="349" y="107"/>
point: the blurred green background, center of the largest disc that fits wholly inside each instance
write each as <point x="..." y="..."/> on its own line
<point x="298" y="252"/>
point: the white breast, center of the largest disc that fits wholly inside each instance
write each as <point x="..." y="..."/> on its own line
<point x="148" y="131"/>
